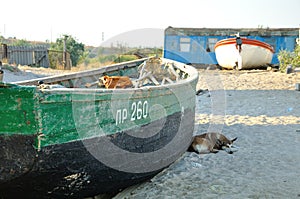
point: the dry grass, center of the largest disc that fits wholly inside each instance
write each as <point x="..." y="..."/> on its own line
<point x="83" y="67"/>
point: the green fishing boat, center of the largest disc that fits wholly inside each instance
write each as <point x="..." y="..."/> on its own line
<point x="68" y="137"/>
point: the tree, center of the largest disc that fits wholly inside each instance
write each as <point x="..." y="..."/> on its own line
<point x="75" y="48"/>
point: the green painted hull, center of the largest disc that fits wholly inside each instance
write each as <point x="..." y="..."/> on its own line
<point x="135" y="122"/>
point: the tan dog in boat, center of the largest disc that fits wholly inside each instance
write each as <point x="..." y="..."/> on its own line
<point x="212" y="143"/>
<point x="115" y="81"/>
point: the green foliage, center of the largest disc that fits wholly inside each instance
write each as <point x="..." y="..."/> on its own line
<point x="55" y="58"/>
<point x="84" y="58"/>
<point x="115" y="58"/>
<point x="21" y="42"/>
<point x="1" y="39"/>
<point x="75" y="48"/>
<point x="289" y="58"/>
<point x="124" y="58"/>
<point x="107" y="58"/>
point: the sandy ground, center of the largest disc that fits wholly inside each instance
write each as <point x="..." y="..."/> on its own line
<point x="262" y="109"/>
<point x="21" y="73"/>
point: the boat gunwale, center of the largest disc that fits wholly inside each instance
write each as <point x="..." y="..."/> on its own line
<point x="253" y="42"/>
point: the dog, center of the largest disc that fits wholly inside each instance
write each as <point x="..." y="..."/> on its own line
<point x="115" y="82"/>
<point x="212" y="143"/>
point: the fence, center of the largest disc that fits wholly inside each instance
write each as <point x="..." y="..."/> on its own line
<point x="35" y="56"/>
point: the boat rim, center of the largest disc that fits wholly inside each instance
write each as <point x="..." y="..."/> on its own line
<point x="253" y="42"/>
<point x="193" y="74"/>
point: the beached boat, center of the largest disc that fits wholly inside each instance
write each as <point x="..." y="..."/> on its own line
<point x="243" y="53"/>
<point x="67" y="137"/>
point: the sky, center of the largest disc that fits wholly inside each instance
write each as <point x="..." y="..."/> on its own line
<point x="97" y="22"/>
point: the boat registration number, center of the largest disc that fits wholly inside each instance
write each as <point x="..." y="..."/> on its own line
<point x="138" y="110"/>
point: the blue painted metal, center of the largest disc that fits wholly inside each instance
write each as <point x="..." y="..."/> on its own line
<point x="196" y="42"/>
<point x="198" y="50"/>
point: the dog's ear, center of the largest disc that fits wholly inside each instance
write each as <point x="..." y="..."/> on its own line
<point x="234" y="139"/>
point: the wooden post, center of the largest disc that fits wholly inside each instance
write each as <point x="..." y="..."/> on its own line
<point x="65" y="52"/>
<point x="1" y="72"/>
<point x="4" y="49"/>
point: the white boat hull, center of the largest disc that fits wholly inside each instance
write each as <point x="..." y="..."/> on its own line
<point x="253" y="54"/>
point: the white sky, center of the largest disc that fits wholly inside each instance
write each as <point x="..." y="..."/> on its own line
<point x="41" y="20"/>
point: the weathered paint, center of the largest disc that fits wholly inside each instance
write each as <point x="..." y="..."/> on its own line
<point x="59" y="115"/>
<point x="73" y="115"/>
<point x="17" y="109"/>
<point x="195" y="45"/>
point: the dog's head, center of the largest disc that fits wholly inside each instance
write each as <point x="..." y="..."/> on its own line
<point x="227" y="145"/>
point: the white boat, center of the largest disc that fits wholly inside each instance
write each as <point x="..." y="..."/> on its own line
<point x="243" y="53"/>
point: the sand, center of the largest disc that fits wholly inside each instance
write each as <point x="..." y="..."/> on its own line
<point x="259" y="107"/>
<point x="262" y="109"/>
<point x="20" y="73"/>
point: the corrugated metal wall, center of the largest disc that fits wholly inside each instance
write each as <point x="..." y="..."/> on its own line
<point x="199" y="51"/>
<point x="25" y="55"/>
<point x="35" y="56"/>
<point x="28" y="55"/>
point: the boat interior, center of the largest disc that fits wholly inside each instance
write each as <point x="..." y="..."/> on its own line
<point x="135" y="74"/>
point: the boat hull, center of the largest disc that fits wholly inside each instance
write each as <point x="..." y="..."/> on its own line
<point x="58" y="173"/>
<point x="253" y="54"/>
<point x="77" y="142"/>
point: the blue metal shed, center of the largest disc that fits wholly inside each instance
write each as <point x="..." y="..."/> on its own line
<point x="196" y="45"/>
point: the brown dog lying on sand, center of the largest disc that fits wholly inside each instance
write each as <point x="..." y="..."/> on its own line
<point x="211" y="143"/>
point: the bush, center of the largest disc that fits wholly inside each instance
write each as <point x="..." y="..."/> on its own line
<point x="124" y="58"/>
<point x="107" y="58"/>
<point x="289" y="58"/>
<point x="75" y="48"/>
